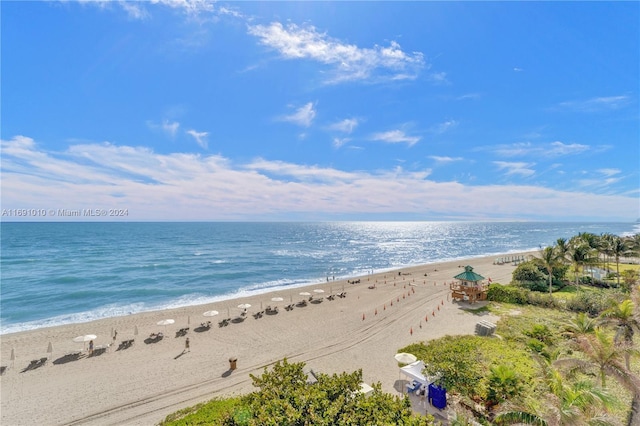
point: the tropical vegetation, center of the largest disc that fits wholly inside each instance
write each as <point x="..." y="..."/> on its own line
<point x="566" y="355"/>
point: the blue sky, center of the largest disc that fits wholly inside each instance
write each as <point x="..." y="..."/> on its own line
<point x="195" y="110"/>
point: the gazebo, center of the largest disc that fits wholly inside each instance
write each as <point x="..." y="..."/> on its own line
<point x="469" y="286"/>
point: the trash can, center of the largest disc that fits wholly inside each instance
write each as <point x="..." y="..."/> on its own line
<point x="232" y="363"/>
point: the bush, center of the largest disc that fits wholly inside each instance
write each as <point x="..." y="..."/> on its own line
<point x="588" y="302"/>
<point x="507" y="294"/>
<point x="529" y="276"/>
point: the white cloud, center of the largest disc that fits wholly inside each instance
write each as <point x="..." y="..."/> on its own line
<point x="597" y="104"/>
<point x="395" y="136"/>
<point x="303" y="116"/>
<point x="191" y="7"/>
<point x="135" y="10"/>
<point x="347" y="125"/>
<point x="338" y="142"/>
<point x="609" y="172"/>
<point x="515" y="168"/>
<point x="445" y="160"/>
<point x="348" y="62"/>
<point x="553" y="149"/>
<point x="200" y="137"/>
<point x="170" y="128"/>
<point x="444" y="126"/>
<point x="517" y="69"/>
<point x="181" y="186"/>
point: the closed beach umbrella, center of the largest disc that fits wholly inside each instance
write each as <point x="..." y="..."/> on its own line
<point x="211" y="313"/>
<point x="135" y="330"/>
<point x="13" y="355"/>
<point x="189" y="320"/>
<point x="50" y="349"/>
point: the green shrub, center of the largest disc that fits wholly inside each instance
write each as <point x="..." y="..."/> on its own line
<point x="507" y="294"/>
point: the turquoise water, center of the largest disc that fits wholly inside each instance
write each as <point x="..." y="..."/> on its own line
<point x="59" y="273"/>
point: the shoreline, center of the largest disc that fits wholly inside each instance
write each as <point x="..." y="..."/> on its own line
<point x="144" y="383"/>
<point x="241" y="294"/>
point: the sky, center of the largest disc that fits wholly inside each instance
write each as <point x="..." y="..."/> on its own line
<point x="192" y="110"/>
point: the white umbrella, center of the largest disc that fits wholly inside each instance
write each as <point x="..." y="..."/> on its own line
<point x="405" y="358"/>
<point x="318" y="290"/>
<point x="84" y="339"/>
<point x="277" y="299"/>
<point x="305" y="293"/>
<point x="244" y="306"/>
<point x="211" y="313"/>
<point x="166" y="322"/>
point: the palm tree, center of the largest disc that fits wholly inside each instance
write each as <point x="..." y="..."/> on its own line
<point x="566" y="404"/>
<point x="581" y="325"/>
<point x="619" y="249"/>
<point x="548" y="259"/>
<point x="603" y="353"/>
<point x="579" y="254"/>
<point x="624" y="315"/>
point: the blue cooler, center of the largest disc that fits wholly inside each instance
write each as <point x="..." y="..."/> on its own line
<point x="437" y="396"/>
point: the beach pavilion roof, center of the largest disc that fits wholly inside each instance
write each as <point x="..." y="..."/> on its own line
<point x="469" y="275"/>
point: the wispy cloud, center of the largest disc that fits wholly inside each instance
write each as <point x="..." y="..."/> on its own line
<point x="303" y="116"/>
<point x="552" y="149"/>
<point x="609" y="172"/>
<point x="606" y="103"/>
<point x="515" y="168"/>
<point x="347" y="62"/>
<point x="395" y="136"/>
<point x="444" y="126"/>
<point x="348" y="125"/>
<point x="169" y="128"/>
<point x="180" y="186"/>
<point x="200" y="137"/>
<point x="445" y="160"/>
<point x="191" y="7"/>
<point x="338" y="142"/>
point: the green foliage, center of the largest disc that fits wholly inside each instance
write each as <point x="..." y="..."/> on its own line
<point x="464" y="362"/>
<point x="540" y="332"/>
<point x="507" y="294"/>
<point x="592" y="303"/>
<point x="285" y="398"/>
<point x="209" y="413"/>
<point x="530" y="276"/>
<point x="504" y="383"/>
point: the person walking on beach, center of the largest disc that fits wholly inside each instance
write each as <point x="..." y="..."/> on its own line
<point x="91" y="347"/>
<point x="186" y="345"/>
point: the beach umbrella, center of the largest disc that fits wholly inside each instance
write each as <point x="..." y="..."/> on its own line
<point x="318" y="290"/>
<point x="189" y="320"/>
<point x="13" y="356"/>
<point x="50" y="349"/>
<point x="277" y="299"/>
<point x="405" y="358"/>
<point x="166" y="322"/>
<point x="211" y="313"/>
<point x="135" y="330"/>
<point x="84" y="339"/>
<point x="305" y="293"/>
<point x="244" y="306"/>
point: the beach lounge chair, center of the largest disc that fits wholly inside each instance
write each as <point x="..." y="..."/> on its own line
<point x="303" y="302"/>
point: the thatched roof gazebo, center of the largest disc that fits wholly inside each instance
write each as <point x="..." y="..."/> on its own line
<point x="469" y="286"/>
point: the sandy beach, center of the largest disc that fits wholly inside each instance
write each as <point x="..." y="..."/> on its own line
<point x="140" y="385"/>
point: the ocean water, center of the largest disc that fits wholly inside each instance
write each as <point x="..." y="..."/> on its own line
<point x="60" y="273"/>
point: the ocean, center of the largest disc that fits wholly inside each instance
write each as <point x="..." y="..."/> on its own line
<point x="61" y="273"/>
